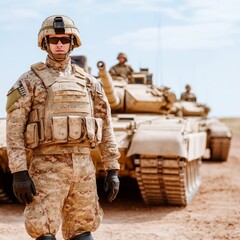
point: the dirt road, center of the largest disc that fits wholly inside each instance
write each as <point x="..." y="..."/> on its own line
<point x="214" y="213"/>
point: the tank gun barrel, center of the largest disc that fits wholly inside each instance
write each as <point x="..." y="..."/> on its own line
<point x="114" y="99"/>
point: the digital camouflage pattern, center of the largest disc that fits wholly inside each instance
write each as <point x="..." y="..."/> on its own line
<point x="67" y="166"/>
<point x="35" y="97"/>
<point x="75" y="198"/>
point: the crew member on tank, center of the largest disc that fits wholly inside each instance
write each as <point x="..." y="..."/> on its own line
<point x="121" y="70"/>
<point x="188" y="95"/>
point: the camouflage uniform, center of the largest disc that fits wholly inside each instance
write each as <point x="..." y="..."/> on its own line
<point x="61" y="166"/>
<point x="188" y="96"/>
<point x="121" y="70"/>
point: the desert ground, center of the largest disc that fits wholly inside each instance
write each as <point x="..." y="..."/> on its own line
<point x="214" y="212"/>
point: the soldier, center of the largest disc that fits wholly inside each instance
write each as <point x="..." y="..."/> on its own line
<point x="187" y="95"/>
<point x="60" y="112"/>
<point x="121" y="70"/>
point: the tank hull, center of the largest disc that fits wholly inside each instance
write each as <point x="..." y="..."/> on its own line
<point x="163" y="154"/>
<point x="219" y="135"/>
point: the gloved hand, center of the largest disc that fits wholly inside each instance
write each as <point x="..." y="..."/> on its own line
<point x="111" y="184"/>
<point x="23" y="187"/>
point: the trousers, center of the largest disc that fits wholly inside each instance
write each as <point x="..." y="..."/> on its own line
<point x="66" y="194"/>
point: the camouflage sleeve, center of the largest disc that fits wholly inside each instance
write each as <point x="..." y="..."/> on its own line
<point x="18" y="107"/>
<point x="108" y="147"/>
<point x="113" y="71"/>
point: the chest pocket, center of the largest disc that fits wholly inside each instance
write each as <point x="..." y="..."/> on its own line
<point x="70" y="97"/>
<point x="69" y="92"/>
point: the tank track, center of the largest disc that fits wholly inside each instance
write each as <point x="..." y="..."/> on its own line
<point x="167" y="181"/>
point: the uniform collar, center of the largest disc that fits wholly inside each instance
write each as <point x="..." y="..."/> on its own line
<point x="60" y="66"/>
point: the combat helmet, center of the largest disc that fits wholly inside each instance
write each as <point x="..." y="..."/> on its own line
<point x="58" y="24"/>
<point x="122" y="55"/>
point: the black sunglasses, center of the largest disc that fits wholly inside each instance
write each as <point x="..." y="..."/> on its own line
<point x="55" y="40"/>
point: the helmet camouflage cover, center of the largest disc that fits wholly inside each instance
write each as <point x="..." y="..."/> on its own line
<point x="58" y="24"/>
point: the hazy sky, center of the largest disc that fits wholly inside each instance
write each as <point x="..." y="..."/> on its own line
<point x="180" y="41"/>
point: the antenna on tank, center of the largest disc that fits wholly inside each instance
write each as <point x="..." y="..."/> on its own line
<point x="159" y="71"/>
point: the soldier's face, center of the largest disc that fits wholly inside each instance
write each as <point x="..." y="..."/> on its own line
<point x="59" y="44"/>
<point x="122" y="59"/>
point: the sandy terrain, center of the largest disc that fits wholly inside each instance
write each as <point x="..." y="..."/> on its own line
<point x="214" y="213"/>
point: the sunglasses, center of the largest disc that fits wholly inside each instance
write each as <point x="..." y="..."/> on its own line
<point x="55" y="40"/>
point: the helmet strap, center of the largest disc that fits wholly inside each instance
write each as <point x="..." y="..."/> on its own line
<point x="72" y="42"/>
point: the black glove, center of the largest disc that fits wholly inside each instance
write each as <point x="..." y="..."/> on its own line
<point x="23" y="187"/>
<point x="111" y="184"/>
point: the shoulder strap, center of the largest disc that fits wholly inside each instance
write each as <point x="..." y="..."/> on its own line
<point x="42" y="72"/>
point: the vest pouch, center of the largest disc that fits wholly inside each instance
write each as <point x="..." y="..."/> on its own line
<point x="98" y="129"/>
<point x="32" y="136"/>
<point x="75" y="127"/>
<point x="41" y="131"/>
<point x="60" y="129"/>
<point x="33" y="116"/>
<point x="90" y="128"/>
<point x="41" y="113"/>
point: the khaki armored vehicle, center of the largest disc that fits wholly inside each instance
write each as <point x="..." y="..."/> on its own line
<point x="218" y="133"/>
<point x="161" y="151"/>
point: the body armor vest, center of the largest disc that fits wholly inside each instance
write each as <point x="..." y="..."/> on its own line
<point x="67" y="115"/>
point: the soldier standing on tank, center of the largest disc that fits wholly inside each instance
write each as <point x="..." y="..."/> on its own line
<point x="187" y="95"/>
<point x="60" y="112"/>
<point x="121" y="70"/>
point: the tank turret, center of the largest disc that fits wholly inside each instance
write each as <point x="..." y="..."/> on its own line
<point x="157" y="148"/>
<point x="140" y="97"/>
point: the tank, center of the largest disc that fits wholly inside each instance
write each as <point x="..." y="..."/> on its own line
<point x="161" y="151"/>
<point x="219" y="134"/>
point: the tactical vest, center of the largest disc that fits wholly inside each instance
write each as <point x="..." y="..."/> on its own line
<point x="67" y="114"/>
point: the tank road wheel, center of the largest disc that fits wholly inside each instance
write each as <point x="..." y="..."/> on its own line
<point x="167" y="181"/>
